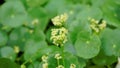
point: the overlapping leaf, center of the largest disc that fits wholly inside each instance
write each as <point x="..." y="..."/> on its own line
<point x="87" y="46"/>
<point x="111" y="42"/>
<point x="12" y="13"/>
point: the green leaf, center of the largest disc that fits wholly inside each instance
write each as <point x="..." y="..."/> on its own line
<point x="92" y="12"/>
<point x="7" y="63"/>
<point x="98" y="3"/>
<point x="69" y="47"/>
<point x="50" y="50"/>
<point x="36" y="3"/>
<point x="87" y="46"/>
<point x="39" y="14"/>
<point x="58" y="4"/>
<point x="48" y="35"/>
<point x="35" y="64"/>
<point x="79" y="20"/>
<point x="13" y="14"/>
<point x="82" y="62"/>
<point x="71" y="59"/>
<point x="52" y="61"/>
<point x="77" y="26"/>
<point x="111" y="42"/>
<point x="19" y="36"/>
<point x="38" y="35"/>
<point x="32" y="48"/>
<point x="112" y="16"/>
<point x="102" y="59"/>
<point x="3" y="38"/>
<point x="8" y="52"/>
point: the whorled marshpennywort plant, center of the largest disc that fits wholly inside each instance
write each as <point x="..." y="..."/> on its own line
<point x="58" y="38"/>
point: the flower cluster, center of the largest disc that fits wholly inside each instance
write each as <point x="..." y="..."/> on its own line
<point x="96" y="25"/>
<point x="44" y="59"/>
<point x="60" y="20"/>
<point x="59" y="35"/>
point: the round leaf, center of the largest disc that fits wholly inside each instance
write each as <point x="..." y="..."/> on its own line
<point x="87" y="46"/>
<point x="102" y="59"/>
<point x="32" y="49"/>
<point x="12" y="13"/>
<point x="111" y="42"/>
<point x="19" y="36"/>
<point x="71" y="60"/>
<point x="40" y="15"/>
<point x="8" y="52"/>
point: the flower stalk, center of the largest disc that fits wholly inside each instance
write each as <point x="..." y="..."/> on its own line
<point x="59" y="34"/>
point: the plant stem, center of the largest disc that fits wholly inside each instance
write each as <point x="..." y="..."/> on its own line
<point x="58" y="62"/>
<point x="62" y="47"/>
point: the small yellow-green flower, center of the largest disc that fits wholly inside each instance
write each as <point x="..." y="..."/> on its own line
<point x="31" y="31"/>
<point x="23" y="66"/>
<point x="16" y="49"/>
<point x="45" y="65"/>
<point x="35" y="21"/>
<point x="72" y="66"/>
<point x="58" y="56"/>
<point x="60" y="66"/>
<point x="96" y="26"/>
<point x="60" y="20"/>
<point x="102" y="25"/>
<point x="44" y="58"/>
<point x="59" y="36"/>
